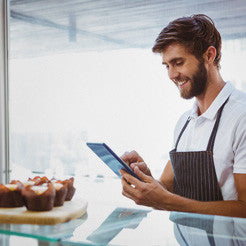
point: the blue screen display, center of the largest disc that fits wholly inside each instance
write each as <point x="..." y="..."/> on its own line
<point x="110" y="158"/>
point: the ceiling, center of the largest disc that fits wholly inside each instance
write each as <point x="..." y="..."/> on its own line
<point x="41" y="27"/>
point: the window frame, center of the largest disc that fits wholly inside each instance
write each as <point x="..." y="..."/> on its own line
<point x="4" y="93"/>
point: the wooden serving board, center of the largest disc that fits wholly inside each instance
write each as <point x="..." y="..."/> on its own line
<point x="69" y="211"/>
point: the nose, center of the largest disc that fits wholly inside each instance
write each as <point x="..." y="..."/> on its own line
<point x="172" y="73"/>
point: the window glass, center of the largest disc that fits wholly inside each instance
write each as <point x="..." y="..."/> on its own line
<point x="84" y="71"/>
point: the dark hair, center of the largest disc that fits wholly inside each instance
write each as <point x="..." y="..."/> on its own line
<point x="196" y="32"/>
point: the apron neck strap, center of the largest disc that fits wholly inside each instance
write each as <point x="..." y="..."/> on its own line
<point x="213" y="134"/>
<point x="181" y="133"/>
<point x="216" y="126"/>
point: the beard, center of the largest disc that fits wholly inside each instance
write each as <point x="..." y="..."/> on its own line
<point x="198" y="83"/>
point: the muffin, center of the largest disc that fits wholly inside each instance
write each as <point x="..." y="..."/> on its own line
<point x="28" y="182"/>
<point x="39" y="180"/>
<point x="70" y="188"/>
<point x="10" y="194"/>
<point x="61" y="193"/>
<point x="35" y="178"/>
<point x="39" y="197"/>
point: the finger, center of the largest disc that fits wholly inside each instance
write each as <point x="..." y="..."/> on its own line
<point x="128" y="190"/>
<point x="131" y="157"/>
<point x="142" y="166"/>
<point x="127" y="187"/>
<point x="129" y="178"/>
<point x="125" y="157"/>
<point x="132" y="165"/>
<point x="127" y="195"/>
<point x="145" y="178"/>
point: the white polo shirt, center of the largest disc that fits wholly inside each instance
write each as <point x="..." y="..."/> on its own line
<point x="229" y="151"/>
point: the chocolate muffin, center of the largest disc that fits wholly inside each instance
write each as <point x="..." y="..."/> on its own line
<point x="39" y="197"/>
<point x="39" y="180"/>
<point x="28" y="182"/>
<point x="61" y="193"/>
<point x="70" y="188"/>
<point x="10" y="195"/>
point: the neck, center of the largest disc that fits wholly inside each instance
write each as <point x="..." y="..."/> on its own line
<point x="214" y="85"/>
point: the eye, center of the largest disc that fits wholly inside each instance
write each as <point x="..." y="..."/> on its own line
<point x="179" y="63"/>
<point x="167" y="67"/>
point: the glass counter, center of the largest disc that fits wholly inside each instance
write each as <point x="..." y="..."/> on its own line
<point x="112" y="219"/>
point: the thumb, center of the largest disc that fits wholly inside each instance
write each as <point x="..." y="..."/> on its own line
<point x="145" y="178"/>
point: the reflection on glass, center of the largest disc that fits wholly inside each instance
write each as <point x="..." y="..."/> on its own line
<point x="43" y="232"/>
<point x="119" y="219"/>
<point x="189" y="229"/>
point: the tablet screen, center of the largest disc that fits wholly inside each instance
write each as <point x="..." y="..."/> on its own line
<point x="110" y="158"/>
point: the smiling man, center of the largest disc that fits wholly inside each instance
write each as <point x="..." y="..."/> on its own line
<point x="207" y="168"/>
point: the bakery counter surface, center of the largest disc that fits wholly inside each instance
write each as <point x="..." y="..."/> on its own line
<point x="131" y="226"/>
<point x="112" y="219"/>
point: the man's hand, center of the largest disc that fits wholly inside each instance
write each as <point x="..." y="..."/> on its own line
<point x="147" y="192"/>
<point x="133" y="159"/>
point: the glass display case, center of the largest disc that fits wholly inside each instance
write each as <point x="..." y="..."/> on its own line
<point x="116" y="220"/>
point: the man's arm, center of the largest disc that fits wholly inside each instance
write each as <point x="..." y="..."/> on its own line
<point x="167" y="176"/>
<point x="151" y="193"/>
<point x="227" y="208"/>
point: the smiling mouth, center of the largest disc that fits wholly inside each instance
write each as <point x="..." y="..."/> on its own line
<point x="181" y="83"/>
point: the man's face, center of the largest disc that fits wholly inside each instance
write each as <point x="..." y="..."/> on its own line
<point x="185" y="70"/>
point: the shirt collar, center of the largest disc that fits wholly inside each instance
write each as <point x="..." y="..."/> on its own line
<point x="211" y="112"/>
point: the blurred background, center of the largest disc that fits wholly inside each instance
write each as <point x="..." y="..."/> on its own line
<point x="83" y="70"/>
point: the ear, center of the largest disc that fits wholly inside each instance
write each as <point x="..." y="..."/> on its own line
<point x="210" y="55"/>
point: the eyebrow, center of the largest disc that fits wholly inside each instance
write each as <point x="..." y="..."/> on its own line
<point x="172" y="61"/>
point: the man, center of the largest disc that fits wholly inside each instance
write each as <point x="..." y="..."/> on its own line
<point x="207" y="168"/>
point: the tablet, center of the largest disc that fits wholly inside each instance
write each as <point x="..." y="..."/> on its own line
<point x="110" y="158"/>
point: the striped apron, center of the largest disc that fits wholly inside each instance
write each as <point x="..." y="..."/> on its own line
<point x="195" y="178"/>
<point x="194" y="171"/>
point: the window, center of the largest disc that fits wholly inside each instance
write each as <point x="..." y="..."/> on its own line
<point x="84" y="71"/>
<point x="4" y="151"/>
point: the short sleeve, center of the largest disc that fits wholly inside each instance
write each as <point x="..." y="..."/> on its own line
<point x="239" y="146"/>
